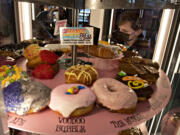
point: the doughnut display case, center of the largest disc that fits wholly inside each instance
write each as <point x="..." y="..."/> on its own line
<point x="102" y="15"/>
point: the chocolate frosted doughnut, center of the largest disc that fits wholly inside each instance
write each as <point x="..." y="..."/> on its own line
<point x="25" y="97"/>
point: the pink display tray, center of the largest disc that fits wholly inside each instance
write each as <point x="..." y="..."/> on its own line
<point x="99" y="121"/>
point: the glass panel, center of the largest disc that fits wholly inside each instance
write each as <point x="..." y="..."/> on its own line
<point x="7" y="23"/>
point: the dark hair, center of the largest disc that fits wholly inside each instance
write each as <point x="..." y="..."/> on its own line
<point x="130" y="16"/>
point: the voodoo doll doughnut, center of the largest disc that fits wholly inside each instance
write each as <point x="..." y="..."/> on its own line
<point x="140" y="86"/>
<point x="72" y="100"/>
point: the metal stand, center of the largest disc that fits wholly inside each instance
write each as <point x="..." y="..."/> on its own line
<point x="75" y="24"/>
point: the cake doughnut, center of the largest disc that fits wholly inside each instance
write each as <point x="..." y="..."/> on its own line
<point x="44" y="57"/>
<point x="32" y="51"/>
<point x="34" y="62"/>
<point x="83" y="74"/>
<point x="71" y="100"/>
<point x="114" y="95"/>
<point x="45" y="71"/>
<point x="24" y="97"/>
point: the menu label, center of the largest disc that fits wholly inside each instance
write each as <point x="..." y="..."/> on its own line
<point x="17" y="121"/>
<point x="69" y="125"/>
<point x="76" y="35"/>
<point x="127" y="121"/>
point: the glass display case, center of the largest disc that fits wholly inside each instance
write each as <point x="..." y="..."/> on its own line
<point x="132" y="38"/>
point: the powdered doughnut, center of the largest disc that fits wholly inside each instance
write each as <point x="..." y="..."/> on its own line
<point x="69" y="102"/>
<point x="115" y="95"/>
<point x="25" y="97"/>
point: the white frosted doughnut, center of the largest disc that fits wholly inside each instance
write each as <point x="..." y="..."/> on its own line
<point x="66" y="104"/>
<point x="114" y="94"/>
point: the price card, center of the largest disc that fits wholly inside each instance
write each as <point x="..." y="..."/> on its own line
<point x="76" y="35"/>
<point x="61" y="23"/>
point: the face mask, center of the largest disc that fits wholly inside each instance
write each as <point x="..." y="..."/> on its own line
<point x="120" y="37"/>
<point x="123" y="36"/>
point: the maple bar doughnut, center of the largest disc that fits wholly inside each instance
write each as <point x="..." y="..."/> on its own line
<point x="83" y="74"/>
<point x="115" y="95"/>
<point x="104" y="51"/>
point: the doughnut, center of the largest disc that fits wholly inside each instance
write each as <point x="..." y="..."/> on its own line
<point x="58" y="47"/>
<point x="83" y="74"/>
<point x="31" y="51"/>
<point x="143" y="68"/>
<point x="48" y="57"/>
<point x="34" y="62"/>
<point x="72" y="100"/>
<point x="104" y="51"/>
<point x="5" y="53"/>
<point x="24" y="97"/>
<point x="7" y="61"/>
<point x="44" y="57"/>
<point x="9" y="74"/>
<point x="140" y="86"/>
<point x="114" y="95"/>
<point x="131" y="131"/>
<point x="45" y="71"/>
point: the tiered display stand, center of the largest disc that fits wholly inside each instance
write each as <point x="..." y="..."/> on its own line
<point x="100" y="120"/>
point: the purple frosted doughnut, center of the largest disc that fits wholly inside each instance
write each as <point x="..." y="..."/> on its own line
<point x="23" y="97"/>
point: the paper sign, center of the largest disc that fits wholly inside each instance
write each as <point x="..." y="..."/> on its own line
<point x="61" y="23"/>
<point x="76" y="35"/>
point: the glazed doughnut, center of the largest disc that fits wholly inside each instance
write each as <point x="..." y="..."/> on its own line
<point x="104" y="51"/>
<point x="72" y="100"/>
<point x="58" y="47"/>
<point x="84" y="74"/>
<point x="115" y="95"/>
<point x="24" y="97"/>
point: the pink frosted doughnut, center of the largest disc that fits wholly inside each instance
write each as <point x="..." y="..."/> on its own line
<point x="66" y="104"/>
<point x="114" y="94"/>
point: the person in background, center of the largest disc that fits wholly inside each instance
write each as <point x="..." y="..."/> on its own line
<point x="129" y="31"/>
